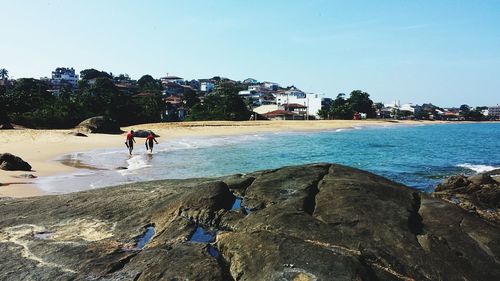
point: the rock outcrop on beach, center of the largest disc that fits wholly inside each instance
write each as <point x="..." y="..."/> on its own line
<point x="144" y="133"/>
<point x="99" y="125"/>
<point x="479" y="193"/>
<point x="10" y="162"/>
<point x="311" y="222"/>
<point x="6" y="126"/>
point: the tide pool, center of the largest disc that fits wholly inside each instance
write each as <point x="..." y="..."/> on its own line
<point x="417" y="156"/>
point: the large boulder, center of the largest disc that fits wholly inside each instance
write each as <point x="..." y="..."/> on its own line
<point x="99" y="124"/>
<point x="11" y="162"/>
<point x="311" y="222"/>
<point x="144" y="133"/>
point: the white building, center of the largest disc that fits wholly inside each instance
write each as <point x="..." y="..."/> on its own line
<point x="207" y="87"/>
<point x="494" y="111"/>
<point x="64" y="76"/>
<point x="310" y="100"/>
<point x="413" y="108"/>
<point x="257" y="98"/>
<point x="271" y="86"/>
<point x="254" y="88"/>
<point x="289" y="96"/>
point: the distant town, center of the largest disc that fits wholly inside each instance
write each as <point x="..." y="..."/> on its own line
<point x="173" y="98"/>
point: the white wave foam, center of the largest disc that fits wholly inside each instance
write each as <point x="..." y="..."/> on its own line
<point x="477" y="168"/>
<point x="135" y="163"/>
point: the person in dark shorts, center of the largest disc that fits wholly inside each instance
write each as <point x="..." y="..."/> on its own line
<point x="149" y="142"/>
<point x="129" y="142"/>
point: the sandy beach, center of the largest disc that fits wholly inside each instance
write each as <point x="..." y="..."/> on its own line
<point x="41" y="148"/>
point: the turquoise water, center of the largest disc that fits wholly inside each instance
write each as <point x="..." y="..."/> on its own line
<point x="418" y="156"/>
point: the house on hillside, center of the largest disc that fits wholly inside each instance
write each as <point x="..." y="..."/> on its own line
<point x="174" y="108"/>
<point x="171" y="79"/>
<point x="63" y="76"/>
<point x="254" y="87"/>
<point x="172" y="89"/>
<point x="250" y="81"/>
<point x="207" y="86"/>
<point x="270" y="86"/>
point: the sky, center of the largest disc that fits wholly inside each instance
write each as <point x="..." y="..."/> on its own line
<point x="446" y="52"/>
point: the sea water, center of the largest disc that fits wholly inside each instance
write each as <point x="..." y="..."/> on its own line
<point x="418" y="156"/>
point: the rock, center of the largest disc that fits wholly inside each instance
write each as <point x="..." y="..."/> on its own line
<point x="493" y="172"/>
<point x="99" y="124"/>
<point x="11" y="162"/>
<point x="79" y="134"/>
<point x="479" y="194"/>
<point x="453" y="182"/>
<point x="6" y="126"/>
<point x="314" y="222"/>
<point x="144" y="133"/>
<point x="481" y="179"/>
<point x="27" y="176"/>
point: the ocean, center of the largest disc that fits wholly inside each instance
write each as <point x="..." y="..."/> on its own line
<point x="417" y="156"/>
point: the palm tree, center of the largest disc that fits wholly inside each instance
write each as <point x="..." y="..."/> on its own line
<point x="4" y="73"/>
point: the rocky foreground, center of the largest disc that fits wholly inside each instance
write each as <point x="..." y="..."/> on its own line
<point x="314" y="222"/>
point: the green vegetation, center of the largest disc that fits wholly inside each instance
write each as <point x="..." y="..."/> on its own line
<point x="33" y="103"/>
<point x="222" y="104"/>
<point x="342" y="108"/>
<point x="4" y="73"/>
<point x="29" y="102"/>
<point x="472" y="114"/>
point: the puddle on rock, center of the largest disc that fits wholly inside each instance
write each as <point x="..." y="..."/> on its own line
<point x="43" y="235"/>
<point x="146" y="237"/>
<point x="238" y="205"/>
<point x="202" y="236"/>
<point x="213" y="251"/>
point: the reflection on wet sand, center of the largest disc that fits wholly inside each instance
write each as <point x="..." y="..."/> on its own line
<point x="68" y="160"/>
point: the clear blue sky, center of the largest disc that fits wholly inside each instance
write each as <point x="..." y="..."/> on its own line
<point x="445" y="52"/>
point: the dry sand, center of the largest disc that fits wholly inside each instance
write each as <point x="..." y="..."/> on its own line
<point x="40" y="148"/>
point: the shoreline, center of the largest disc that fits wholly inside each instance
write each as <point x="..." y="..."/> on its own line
<point x="45" y="149"/>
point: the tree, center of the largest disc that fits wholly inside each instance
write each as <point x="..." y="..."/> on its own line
<point x="339" y="108"/>
<point x="464" y="109"/>
<point x="148" y="83"/>
<point x="4" y="73"/>
<point x="360" y="101"/>
<point x="378" y="105"/>
<point x="422" y="114"/>
<point x="122" y="78"/>
<point x="27" y="93"/>
<point x="190" y="99"/>
<point x="91" y="73"/>
<point x="223" y="104"/>
<point x="324" y="113"/>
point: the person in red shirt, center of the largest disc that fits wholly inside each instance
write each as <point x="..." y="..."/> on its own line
<point x="129" y="142"/>
<point x="149" y="142"/>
